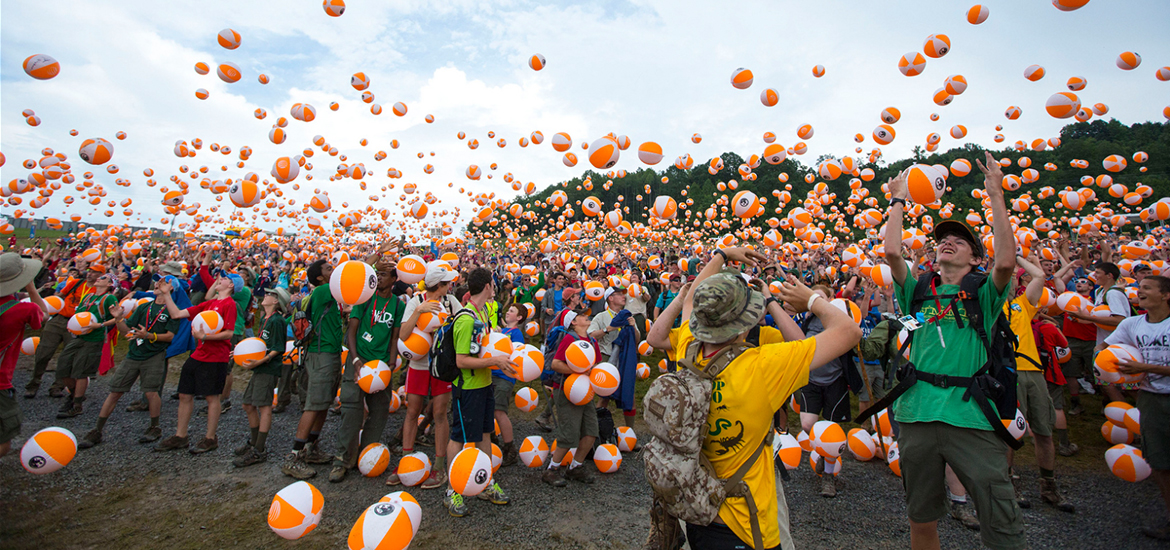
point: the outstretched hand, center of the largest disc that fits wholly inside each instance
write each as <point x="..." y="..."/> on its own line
<point x="992" y="174"/>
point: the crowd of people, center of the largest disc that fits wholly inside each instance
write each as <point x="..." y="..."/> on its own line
<point x="775" y="325"/>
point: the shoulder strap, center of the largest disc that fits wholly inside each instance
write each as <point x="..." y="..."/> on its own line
<point x="717" y="363"/>
<point x="735" y="487"/>
<point x="76" y="284"/>
<point x="920" y="289"/>
<point x="8" y="305"/>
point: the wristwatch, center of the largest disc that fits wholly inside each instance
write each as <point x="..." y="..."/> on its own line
<point x="771" y="300"/>
<point x="897" y="200"/>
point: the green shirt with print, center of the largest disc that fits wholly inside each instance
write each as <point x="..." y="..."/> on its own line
<point x="154" y="318"/>
<point x="377" y="319"/>
<point x="100" y="308"/>
<point x="326" y="319"/>
<point x="959" y="353"/>
<point x="275" y="336"/>
<point x="472" y="379"/>
<point x="243" y="299"/>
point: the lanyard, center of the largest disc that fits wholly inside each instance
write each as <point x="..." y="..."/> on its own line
<point x="942" y="313"/>
<point x="156" y="317"/>
<point x="478" y="314"/>
<point x="374" y="314"/>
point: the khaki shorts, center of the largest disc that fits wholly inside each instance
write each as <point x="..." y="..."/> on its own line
<point x="505" y="393"/>
<point x="574" y="421"/>
<point x="151" y="373"/>
<point x="9" y="416"/>
<point x="1080" y="360"/>
<point x="260" y="390"/>
<point x="1155" y="417"/>
<point x="979" y="459"/>
<point x="324" y="371"/>
<point x="1056" y="393"/>
<point x="1032" y="393"/>
<point x="79" y="359"/>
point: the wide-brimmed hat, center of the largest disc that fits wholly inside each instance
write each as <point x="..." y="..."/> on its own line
<point x="172" y="268"/>
<point x="16" y="272"/>
<point x="283" y="297"/>
<point x="724" y="306"/>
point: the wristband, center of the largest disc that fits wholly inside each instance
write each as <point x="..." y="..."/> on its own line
<point x="896" y="200"/>
<point x="771" y="300"/>
<point x="722" y="253"/>
<point x="811" y="299"/>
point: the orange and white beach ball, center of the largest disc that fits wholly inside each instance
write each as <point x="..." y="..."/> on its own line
<point x="389" y="524"/>
<point x="373" y="460"/>
<point x="82" y="323"/>
<point x="605" y="379"/>
<point x="1127" y="462"/>
<point x="29" y="345"/>
<point x="787" y="450"/>
<point x="249" y="349"/>
<point x="1114" y="434"/>
<point x="295" y="510"/>
<point x="607" y="458"/>
<point x="470" y="472"/>
<point x="416" y="346"/>
<point x="581" y="356"/>
<point x="533" y="451"/>
<point x="627" y="439"/>
<point x="577" y="389"/>
<point x="828" y="438"/>
<point x="526" y="399"/>
<point x="411" y="269"/>
<point x="353" y="283"/>
<point x="861" y="444"/>
<point x="414" y="468"/>
<point x="48" y="450"/>
<point x="374" y="376"/>
<point x="528" y="362"/>
<point x="210" y="322"/>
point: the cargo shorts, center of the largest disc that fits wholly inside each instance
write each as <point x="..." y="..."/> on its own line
<point x="150" y="372"/>
<point x="324" y="372"/>
<point x="1035" y="401"/>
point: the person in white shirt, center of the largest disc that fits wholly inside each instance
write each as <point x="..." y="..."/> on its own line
<point x="1114" y="296"/>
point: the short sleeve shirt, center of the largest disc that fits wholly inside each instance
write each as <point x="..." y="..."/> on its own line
<point x="601" y="322"/>
<point x="153" y="317"/>
<point x="1019" y="313"/>
<point x="377" y="318"/>
<point x="99" y="306"/>
<point x="326" y="337"/>
<point x="12" y="323"/>
<point x="465" y="331"/>
<point x="1118" y="305"/>
<point x="215" y="351"/>
<point x="275" y="336"/>
<point x="1153" y="340"/>
<point x="958" y="352"/>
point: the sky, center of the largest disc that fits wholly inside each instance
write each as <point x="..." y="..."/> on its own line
<point x="651" y="70"/>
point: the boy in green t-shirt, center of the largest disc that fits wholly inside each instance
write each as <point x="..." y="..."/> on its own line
<point x="149" y="330"/>
<point x="473" y="402"/>
<point x="372" y="334"/>
<point x="82" y="357"/>
<point x="258" y="396"/>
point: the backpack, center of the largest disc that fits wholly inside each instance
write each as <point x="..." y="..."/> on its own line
<point x="302" y="329"/>
<point x="550" y="349"/>
<point x="443" y="362"/>
<point x="682" y="479"/>
<point x="993" y="386"/>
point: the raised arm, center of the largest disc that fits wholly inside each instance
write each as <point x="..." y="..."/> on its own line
<point x="1035" y="287"/>
<point x="1001" y="226"/>
<point x="841" y="334"/>
<point x="892" y="240"/>
<point x="745" y="255"/>
<point x="659" y="336"/>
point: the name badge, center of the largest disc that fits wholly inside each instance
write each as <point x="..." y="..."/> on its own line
<point x="139" y="341"/>
<point x="369" y="338"/>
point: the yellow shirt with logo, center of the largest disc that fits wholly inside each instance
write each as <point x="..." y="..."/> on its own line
<point x="743" y="399"/>
<point x="1020" y="313"/>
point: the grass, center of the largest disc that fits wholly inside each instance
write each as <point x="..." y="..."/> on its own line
<point x="45" y="236"/>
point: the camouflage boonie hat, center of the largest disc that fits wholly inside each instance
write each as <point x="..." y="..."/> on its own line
<point x="724" y="307"/>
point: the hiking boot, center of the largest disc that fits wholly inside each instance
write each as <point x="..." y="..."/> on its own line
<point x="425" y="440"/>
<point x="1159" y="533"/>
<point x="1021" y="500"/>
<point x="92" y="438"/>
<point x="962" y="513"/>
<point x="152" y="434"/>
<point x="392" y="479"/>
<point x="30" y="394"/>
<point x="1067" y="450"/>
<point x="314" y="455"/>
<point x="296" y="467"/>
<point x="494" y="494"/>
<point x="66" y="405"/>
<point x="580" y="473"/>
<point x="171" y="443"/>
<point x="454" y="504"/>
<point x="138" y="406"/>
<point x="437" y="479"/>
<point x="56" y="392"/>
<point x="225" y="406"/>
<point x="252" y="456"/>
<point x="208" y="444"/>
<point x="1076" y="410"/>
<point x="1051" y="496"/>
<point x="544" y="424"/>
<point x="511" y="456"/>
<point x="829" y="486"/>
<point x="74" y="410"/>
<point x="337" y="474"/>
<point x="554" y="476"/>
<point x="242" y="449"/>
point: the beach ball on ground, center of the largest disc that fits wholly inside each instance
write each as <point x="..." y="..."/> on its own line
<point x="527" y="399"/>
<point x="627" y="439"/>
<point x="249" y="349"/>
<point x="861" y="444"/>
<point x="828" y="438"/>
<point x="373" y="460"/>
<point x="353" y="282"/>
<point x="607" y="458"/>
<point x="48" y="450"/>
<point x="210" y="322"/>
<point x="414" y="468"/>
<point x="470" y="472"/>
<point x="374" y="376"/>
<point x="389" y="524"/>
<point x="643" y="371"/>
<point x="295" y="510"/>
<point x="1127" y="462"/>
<point x="533" y="451"/>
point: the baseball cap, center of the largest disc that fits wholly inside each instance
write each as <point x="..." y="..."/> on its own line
<point x="952" y="227"/>
<point x="438" y="272"/>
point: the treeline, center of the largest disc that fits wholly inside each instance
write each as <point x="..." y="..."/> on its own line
<point x="1088" y="141"/>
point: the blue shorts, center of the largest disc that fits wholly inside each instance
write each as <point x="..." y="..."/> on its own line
<point x="472" y="414"/>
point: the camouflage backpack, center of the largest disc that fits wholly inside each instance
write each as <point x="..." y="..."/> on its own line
<point x="682" y="479"/>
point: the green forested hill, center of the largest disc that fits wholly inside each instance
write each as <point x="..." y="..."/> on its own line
<point x="1089" y="141"/>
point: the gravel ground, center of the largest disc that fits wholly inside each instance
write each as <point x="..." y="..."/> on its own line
<point x="119" y="494"/>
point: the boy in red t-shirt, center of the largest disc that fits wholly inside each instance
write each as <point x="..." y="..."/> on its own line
<point x="16" y="273"/>
<point x="577" y="424"/>
<point x="205" y="371"/>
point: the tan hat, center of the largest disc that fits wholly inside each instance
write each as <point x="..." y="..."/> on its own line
<point x="16" y="272"/>
<point x="172" y="268"/>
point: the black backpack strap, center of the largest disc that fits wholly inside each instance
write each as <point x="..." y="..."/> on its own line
<point x="969" y="294"/>
<point x="753" y="336"/>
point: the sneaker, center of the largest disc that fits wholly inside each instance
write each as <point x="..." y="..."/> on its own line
<point x="30" y="394"/>
<point x="75" y="410"/>
<point x="554" y="476"/>
<point x="251" y="457"/>
<point x="1051" y="496"/>
<point x="962" y="513"/>
<point x="225" y="406"/>
<point x="242" y="449"/>
<point x="454" y="504"/>
<point x="138" y="406"/>
<point x="65" y="406"/>
<point x="296" y="467"/>
<point x="171" y="443"/>
<point x="208" y="444"/>
<point x="92" y="438"/>
<point x="435" y="480"/>
<point x="315" y="455"/>
<point x="580" y="473"/>
<point x="1067" y="450"/>
<point x="392" y="479"/>
<point x="151" y="435"/>
<point x="337" y="474"/>
<point x="494" y="494"/>
<point x="1159" y="533"/>
<point x="1021" y="499"/>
